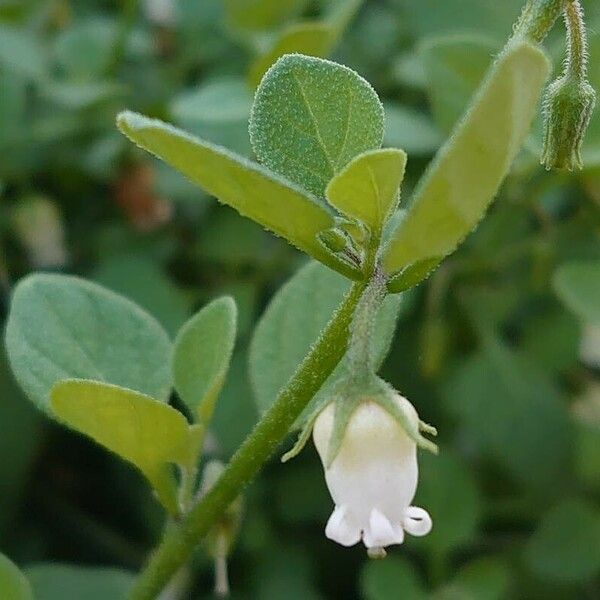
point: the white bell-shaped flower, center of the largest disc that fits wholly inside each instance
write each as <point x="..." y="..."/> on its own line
<point x="373" y="477"/>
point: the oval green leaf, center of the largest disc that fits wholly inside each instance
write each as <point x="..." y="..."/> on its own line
<point x="202" y="354"/>
<point x="462" y="180"/>
<point x="62" y="327"/>
<point x="311" y="117"/>
<point x="253" y="191"/>
<point x="143" y="431"/>
<point x="367" y="188"/>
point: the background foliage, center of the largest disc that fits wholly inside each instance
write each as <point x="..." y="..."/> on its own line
<point x="500" y="348"/>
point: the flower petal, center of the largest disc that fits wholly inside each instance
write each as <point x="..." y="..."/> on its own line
<point x="380" y="532"/>
<point x="417" y="521"/>
<point x="340" y="530"/>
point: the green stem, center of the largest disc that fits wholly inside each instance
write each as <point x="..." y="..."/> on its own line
<point x="576" y="63"/>
<point x="182" y="538"/>
<point x="360" y="347"/>
<point x="537" y="19"/>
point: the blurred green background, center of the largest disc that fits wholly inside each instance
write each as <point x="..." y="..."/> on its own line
<point x="500" y="348"/>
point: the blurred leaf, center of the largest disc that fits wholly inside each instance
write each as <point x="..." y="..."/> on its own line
<point x="217" y="111"/>
<point x="368" y="187"/>
<point x="454" y="68"/>
<point x="481" y="579"/>
<point x="390" y="579"/>
<point x="312" y="38"/>
<point x="428" y="17"/>
<point x="295" y="317"/>
<point x="202" y="354"/>
<point x="55" y="581"/>
<point x="262" y="14"/>
<point x="21" y="52"/>
<point x="552" y="339"/>
<point x="468" y="170"/>
<point x="410" y="130"/>
<point x="63" y="327"/>
<point x="143" y="281"/>
<point x="145" y="432"/>
<point x="13" y="584"/>
<point x="448" y="491"/>
<point x="12" y="106"/>
<point x="286" y="572"/>
<point x="84" y="50"/>
<point x="311" y="117"/>
<point x="565" y="547"/>
<point x="291" y="499"/>
<point x="78" y="96"/>
<point x="578" y="286"/>
<point x="513" y="410"/>
<point x="253" y="191"/>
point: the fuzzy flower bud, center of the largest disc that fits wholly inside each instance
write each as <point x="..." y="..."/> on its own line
<point x="373" y="477"/>
<point x="567" y="112"/>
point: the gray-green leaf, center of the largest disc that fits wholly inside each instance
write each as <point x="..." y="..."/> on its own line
<point x="62" y="327"/>
<point x="202" y="354"/>
<point x="311" y="117"/>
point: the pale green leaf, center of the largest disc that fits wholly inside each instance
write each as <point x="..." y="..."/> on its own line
<point x="368" y="187"/>
<point x="565" y="547"/>
<point x="293" y="321"/>
<point x="62" y="327"/>
<point x="578" y="286"/>
<point x="56" y="581"/>
<point x="454" y="67"/>
<point x="311" y="117"/>
<point x="253" y="191"/>
<point x="202" y="354"/>
<point x="313" y="38"/>
<point x="464" y="177"/>
<point x="145" y="432"/>
<point x="13" y="584"/>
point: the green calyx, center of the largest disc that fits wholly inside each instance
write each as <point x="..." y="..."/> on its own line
<point x="348" y="395"/>
<point x="567" y="112"/>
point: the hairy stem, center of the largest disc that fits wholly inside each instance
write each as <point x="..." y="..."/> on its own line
<point x="537" y="19"/>
<point x="576" y="63"/>
<point x="181" y="539"/>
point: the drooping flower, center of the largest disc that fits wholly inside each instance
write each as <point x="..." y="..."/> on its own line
<point x="372" y="475"/>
